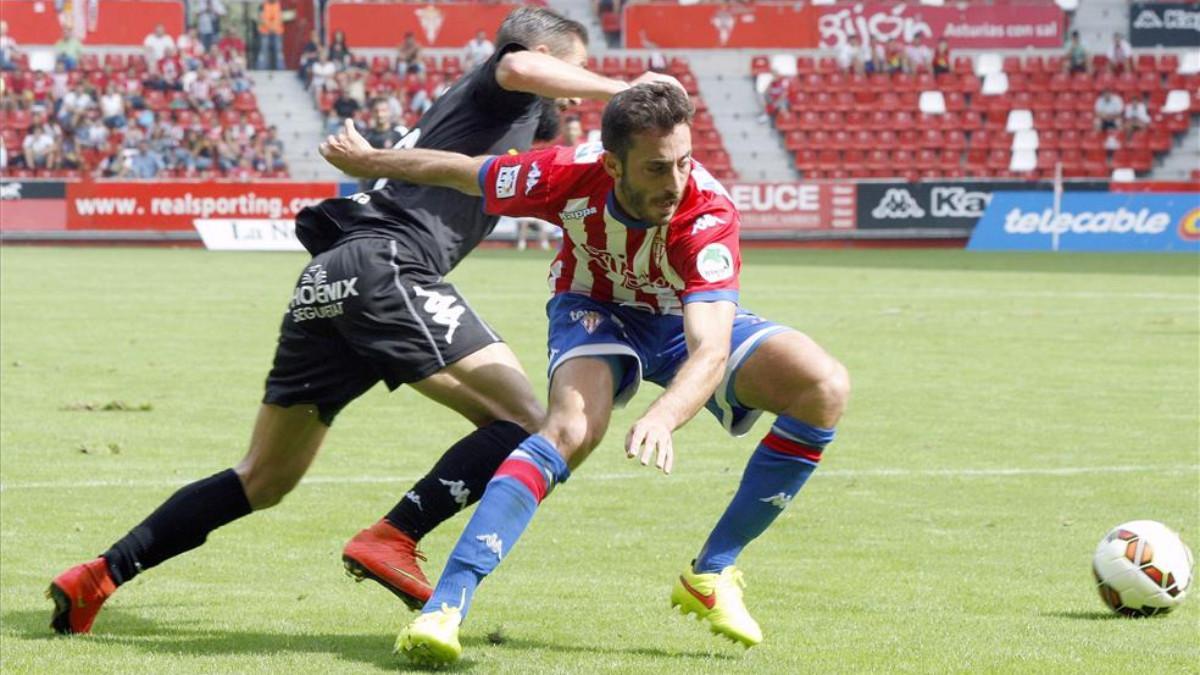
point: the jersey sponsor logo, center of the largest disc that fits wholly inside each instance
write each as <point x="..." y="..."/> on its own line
<point x="897" y="204"/>
<point x="532" y="178"/>
<point x="576" y="209"/>
<point x="587" y="153"/>
<point x="318" y="297"/>
<point x="493" y="543"/>
<point x="715" y="263"/>
<point x="779" y="501"/>
<point x="442" y="309"/>
<point x="506" y="181"/>
<point x="705" y="222"/>
<point x="616" y="268"/>
<point x="458" y="491"/>
<point x="589" y="319"/>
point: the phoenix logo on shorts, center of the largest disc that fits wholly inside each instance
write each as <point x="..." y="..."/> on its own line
<point x="589" y="319"/>
<point x="493" y="543"/>
<point x="442" y="309"/>
<point x="316" y="297"/>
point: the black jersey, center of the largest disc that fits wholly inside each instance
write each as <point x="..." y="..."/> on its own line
<point x="436" y="225"/>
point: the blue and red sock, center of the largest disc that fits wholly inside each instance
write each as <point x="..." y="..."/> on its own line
<point x="779" y="467"/>
<point x="507" y="506"/>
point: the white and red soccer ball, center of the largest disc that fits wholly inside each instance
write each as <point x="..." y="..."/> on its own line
<point x="1142" y="568"/>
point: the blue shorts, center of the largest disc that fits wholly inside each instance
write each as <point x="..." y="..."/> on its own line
<point x="640" y="345"/>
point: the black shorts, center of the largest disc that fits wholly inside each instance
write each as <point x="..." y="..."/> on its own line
<point x="363" y="312"/>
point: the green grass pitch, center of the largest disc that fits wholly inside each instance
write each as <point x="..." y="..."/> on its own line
<point x="1008" y="410"/>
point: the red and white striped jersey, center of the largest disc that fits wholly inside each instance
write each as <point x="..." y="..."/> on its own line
<point x="606" y="254"/>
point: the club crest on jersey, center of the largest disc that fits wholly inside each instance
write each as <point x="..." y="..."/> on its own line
<point x="532" y="178"/>
<point x="506" y="181"/>
<point x="715" y="263"/>
<point x="705" y="222"/>
<point x="589" y="319"/>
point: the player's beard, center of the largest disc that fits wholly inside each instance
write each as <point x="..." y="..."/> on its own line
<point x="549" y="121"/>
<point x="647" y="208"/>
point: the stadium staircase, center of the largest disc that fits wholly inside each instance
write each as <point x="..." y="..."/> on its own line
<point x="753" y="147"/>
<point x="286" y="104"/>
<point x="1183" y="162"/>
<point x="1097" y="20"/>
<point x="581" y="11"/>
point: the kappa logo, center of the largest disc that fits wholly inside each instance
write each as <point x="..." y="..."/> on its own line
<point x="779" y="501"/>
<point x="493" y="543"/>
<point x="442" y="309"/>
<point x="1148" y="20"/>
<point x="506" y="181"/>
<point x="532" y="178"/>
<point x="897" y="204"/>
<point x="576" y="209"/>
<point x="589" y="319"/>
<point x="705" y="222"/>
<point x="458" y="490"/>
<point x="360" y="198"/>
<point x="414" y="498"/>
<point x="957" y="202"/>
<point x="10" y="191"/>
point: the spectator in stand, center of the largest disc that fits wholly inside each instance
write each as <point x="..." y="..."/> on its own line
<point x="1109" y="108"/>
<point x="308" y="56"/>
<point x="60" y="80"/>
<point x="354" y="84"/>
<point x="156" y="45"/>
<point x="408" y="56"/>
<point x="382" y="130"/>
<point x="190" y="49"/>
<point x="40" y="146"/>
<point x="73" y="107"/>
<point x="1137" y="114"/>
<point x="777" y="97"/>
<point x="243" y="130"/>
<point x="112" y="107"/>
<point x="893" y="58"/>
<point x="8" y="48"/>
<point x="420" y="92"/>
<point x="918" y="57"/>
<point x="657" y="62"/>
<point x="478" y="50"/>
<point x="322" y="73"/>
<point x="1120" y="53"/>
<point x="270" y="36"/>
<point x="243" y="171"/>
<point x="68" y="48"/>
<point x="68" y="153"/>
<point x="572" y="133"/>
<point x="92" y="132"/>
<point x="941" y="58"/>
<point x="272" y="150"/>
<point x="199" y="91"/>
<point x="854" y="56"/>
<point x="344" y="107"/>
<point x="1077" y="56"/>
<point x="339" y="51"/>
<point x="231" y="45"/>
<point x="208" y="21"/>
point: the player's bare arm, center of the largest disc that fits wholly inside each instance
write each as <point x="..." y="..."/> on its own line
<point x="350" y="152"/>
<point x="536" y="72"/>
<point x="707" y="327"/>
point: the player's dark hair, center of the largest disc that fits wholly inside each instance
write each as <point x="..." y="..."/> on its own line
<point x="656" y="106"/>
<point x="531" y="26"/>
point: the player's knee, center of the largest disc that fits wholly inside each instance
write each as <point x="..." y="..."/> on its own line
<point x="264" y="488"/>
<point x="572" y="436"/>
<point x="833" y="391"/>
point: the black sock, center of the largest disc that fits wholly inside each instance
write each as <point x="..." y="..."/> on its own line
<point x="181" y="524"/>
<point x="457" y="480"/>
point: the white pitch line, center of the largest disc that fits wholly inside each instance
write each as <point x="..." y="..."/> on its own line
<point x="830" y="473"/>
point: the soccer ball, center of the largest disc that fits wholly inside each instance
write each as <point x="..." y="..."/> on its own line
<point x="1142" y="568"/>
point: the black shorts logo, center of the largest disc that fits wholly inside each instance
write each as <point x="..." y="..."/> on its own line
<point x="318" y="297"/>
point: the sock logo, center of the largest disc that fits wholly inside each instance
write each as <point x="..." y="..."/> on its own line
<point x="493" y="543"/>
<point x="414" y="498"/>
<point x="458" y="490"/>
<point x="779" y="501"/>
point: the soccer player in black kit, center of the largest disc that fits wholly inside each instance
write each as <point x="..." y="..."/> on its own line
<point x="372" y="306"/>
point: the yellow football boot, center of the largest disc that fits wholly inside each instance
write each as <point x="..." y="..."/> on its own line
<point x="432" y="638"/>
<point x="717" y="598"/>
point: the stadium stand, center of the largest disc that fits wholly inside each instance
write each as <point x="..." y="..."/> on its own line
<point x="974" y="121"/>
<point x="193" y="114"/>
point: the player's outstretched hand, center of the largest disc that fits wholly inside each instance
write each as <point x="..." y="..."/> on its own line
<point x="651" y="76"/>
<point x="651" y="437"/>
<point x="348" y="151"/>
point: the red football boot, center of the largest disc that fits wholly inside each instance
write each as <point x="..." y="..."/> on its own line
<point x="384" y="554"/>
<point x="78" y="595"/>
